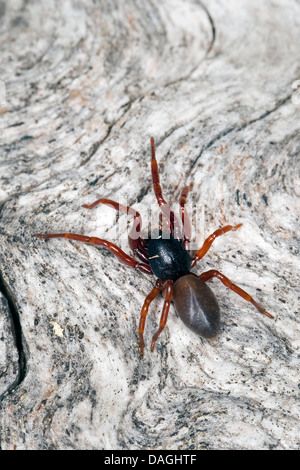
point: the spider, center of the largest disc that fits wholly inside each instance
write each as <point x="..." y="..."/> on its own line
<point x="167" y="256"/>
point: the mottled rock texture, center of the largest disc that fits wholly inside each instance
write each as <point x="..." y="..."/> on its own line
<point x="83" y="86"/>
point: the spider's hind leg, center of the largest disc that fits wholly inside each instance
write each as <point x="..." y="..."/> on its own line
<point x="213" y="273"/>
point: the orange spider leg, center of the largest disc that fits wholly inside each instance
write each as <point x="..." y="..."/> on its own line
<point x="209" y="241"/>
<point x="128" y="260"/>
<point x="168" y="295"/>
<point x="186" y="223"/>
<point x="144" y="312"/>
<point x="213" y="273"/>
<point x="136" y="243"/>
<point x="155" y="176"/>
<point x="164" y="206"/>
<point x="119" y="207"/>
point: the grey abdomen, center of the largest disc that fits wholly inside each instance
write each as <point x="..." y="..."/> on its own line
<point x="197" y="305"/>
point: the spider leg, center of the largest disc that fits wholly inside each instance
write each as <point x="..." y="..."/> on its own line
<point x="168" y="295"/>
<point x="209" y="241"/>
<point x="186" y="223"/>
<point x="136" y="242"/>
<point x="164" y="207"/>
<point x="144" y="312"/>
<point x="213" y="273"/>
<point x="128" y="260"/>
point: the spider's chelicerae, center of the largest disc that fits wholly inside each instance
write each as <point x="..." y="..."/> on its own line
<point x="168" y="258"/>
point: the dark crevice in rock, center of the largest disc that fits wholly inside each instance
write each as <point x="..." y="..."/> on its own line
<point x="241" y="127"/>
<point x="96" y="145"/>
<point x="213" y="28"/>
<point x="18" y="336"/>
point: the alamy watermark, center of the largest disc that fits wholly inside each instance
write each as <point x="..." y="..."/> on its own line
<point x="144" y="222"/>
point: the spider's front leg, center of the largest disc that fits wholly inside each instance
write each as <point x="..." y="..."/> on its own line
<point x="168" y="215"/>
<point x="120" y="254"/>
<point x="186" y="223"/>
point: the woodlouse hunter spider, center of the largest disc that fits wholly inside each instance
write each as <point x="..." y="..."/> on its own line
<point x="168" y="258"/>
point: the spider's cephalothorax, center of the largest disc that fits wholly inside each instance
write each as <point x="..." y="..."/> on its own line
<point x="169" y="259"/>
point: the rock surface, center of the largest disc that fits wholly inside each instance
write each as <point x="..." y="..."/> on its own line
<point x="84" y="85"/>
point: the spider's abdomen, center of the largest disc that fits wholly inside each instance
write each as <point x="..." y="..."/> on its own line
<point x="197" y="306"/>
<point x="168" y="258"/>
